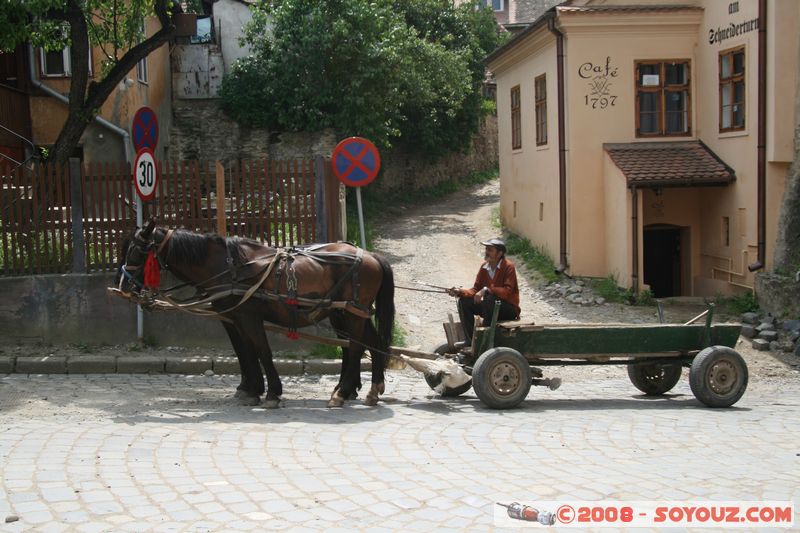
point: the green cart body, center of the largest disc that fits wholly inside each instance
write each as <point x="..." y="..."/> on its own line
<point x="505" y="357"/>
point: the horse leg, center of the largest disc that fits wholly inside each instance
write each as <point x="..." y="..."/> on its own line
<point x="251" y="386"/>
<point x="254" y="326"/>
<point x="379" y="357"/>
<point x="346" y="361"/>
<point x="350" y="377"/>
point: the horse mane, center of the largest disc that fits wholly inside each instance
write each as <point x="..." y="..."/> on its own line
<point x="191" y="247"/>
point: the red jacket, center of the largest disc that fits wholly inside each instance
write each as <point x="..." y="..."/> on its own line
<point x="503" y="285"/>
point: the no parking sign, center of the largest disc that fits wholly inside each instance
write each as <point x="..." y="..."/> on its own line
<point x="145" y="129"/>
<point x="356" y="161"/>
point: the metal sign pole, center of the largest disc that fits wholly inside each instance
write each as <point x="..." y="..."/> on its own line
<point x="361" y="218"/>
<point x="139" y="311"/>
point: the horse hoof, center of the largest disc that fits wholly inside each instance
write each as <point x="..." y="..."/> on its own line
<point x="272" y="404"/>
<point x="371" y="401"/>
<point x="249" y="400"/>
<point x="337" y="400"/>
<point x="239" y="393"/>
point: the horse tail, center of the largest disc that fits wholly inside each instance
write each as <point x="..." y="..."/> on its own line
<point x="384" y="302"/>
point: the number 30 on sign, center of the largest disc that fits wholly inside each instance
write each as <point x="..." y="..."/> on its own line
<point x="145" y="174"/>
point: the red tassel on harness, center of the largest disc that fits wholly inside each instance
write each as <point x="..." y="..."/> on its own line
<point x="152" y="271"/>
<point x="292" y="335"/>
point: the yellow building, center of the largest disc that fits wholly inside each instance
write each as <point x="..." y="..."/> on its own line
<point x="650" y="140"/>
<point x="34" y="86"/>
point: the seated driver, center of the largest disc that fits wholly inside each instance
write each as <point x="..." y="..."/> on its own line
<point x="496" y="281"/>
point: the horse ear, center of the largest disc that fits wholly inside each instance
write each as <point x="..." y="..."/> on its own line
<point x="148" y="229"/>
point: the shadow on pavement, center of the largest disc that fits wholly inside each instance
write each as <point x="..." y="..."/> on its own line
<point x="667" y="402"/>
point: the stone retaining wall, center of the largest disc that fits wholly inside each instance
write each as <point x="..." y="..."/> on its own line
<point x="76" y="308"/>
<point x="780" y="295"/>
<point x="201" y="131"/>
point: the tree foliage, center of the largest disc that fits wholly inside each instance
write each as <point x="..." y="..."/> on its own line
<point x="115" y="26"/>
<point x="383" y="69"/>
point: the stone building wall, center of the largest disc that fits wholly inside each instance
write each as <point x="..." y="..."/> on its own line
<point x="201" y="131"/>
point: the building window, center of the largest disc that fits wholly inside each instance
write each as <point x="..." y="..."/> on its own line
<point x="516" y="119"/>
<point x="540" y="98"/>
<point x="141" y="66"/>
<point x="731" y="90"/>
<point x="141" y="70"/>
<point x="663" y="98"/>
<point x="496" y="5"/>
<point x="726" y="231"/>
<point x="57" y="63"/>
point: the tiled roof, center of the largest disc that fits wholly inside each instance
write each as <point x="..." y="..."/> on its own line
<point x="635" y="8"/>
<point x="669" y="164"/>
<point x="527" y="11"/>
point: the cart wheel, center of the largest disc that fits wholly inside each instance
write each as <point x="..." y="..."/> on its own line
<point x="718" y="376"/>
<point x="442" y="349"/>
<point x="501" y="378"/>
<point x="654" y="379"/>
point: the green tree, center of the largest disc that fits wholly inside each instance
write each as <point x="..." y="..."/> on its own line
<point x="113" y="25"/>
<point x="384" y="69"/>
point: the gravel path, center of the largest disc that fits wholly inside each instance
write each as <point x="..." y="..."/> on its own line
<point x="439" y="243"/>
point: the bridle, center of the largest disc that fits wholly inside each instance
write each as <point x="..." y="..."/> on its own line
<point x="143" y="242"/>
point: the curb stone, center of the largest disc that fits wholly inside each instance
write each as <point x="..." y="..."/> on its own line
<point x="187" y="365"/>
<point x="138" y="364"/>
<point x="127" y="364"/>
<point x="92" y="364"/>
<point x="7" y="365"/>
<point x="49" y="364"/>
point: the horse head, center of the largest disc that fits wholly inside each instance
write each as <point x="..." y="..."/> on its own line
<point x="134" y="252"/>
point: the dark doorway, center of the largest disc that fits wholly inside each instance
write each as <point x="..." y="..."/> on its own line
<point x="662" y="260"/>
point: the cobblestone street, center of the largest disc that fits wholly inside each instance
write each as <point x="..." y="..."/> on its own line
<point x="175" y="453"/>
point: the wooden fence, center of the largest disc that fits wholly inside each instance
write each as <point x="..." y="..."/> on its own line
<point x="73" y="218"/>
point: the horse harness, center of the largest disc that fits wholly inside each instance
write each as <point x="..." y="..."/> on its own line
<point x="282" y="263"/>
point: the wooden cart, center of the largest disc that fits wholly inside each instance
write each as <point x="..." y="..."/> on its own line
<point x="504" y="359"/>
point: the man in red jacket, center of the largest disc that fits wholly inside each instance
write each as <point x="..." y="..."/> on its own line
<point x="496" y="281"/>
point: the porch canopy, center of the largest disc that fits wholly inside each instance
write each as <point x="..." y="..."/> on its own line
<point x="651" y="165"/>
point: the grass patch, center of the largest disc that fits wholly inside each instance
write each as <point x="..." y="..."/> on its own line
<point x="85" y="348"/>
<point x="744" y="302"/>
<point x="327" y="351"/>
<point x="609" y="289"/>
<point x="495" y="218"/>
<point x="532" y="256"/>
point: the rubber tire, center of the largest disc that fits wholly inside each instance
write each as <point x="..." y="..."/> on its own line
<point x="654" y="379"/>
<point x="447" y="392"/>
<point x="702" y="366"/>
<point x="482" y="374"/>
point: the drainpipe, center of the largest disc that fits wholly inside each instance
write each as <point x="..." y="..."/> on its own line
<point x="761" y="176"/>
<point x="635" y="242"/>
<point x="60" y="97"/>
<point x="562" y="147"/>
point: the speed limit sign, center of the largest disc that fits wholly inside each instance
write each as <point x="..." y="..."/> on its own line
<point x="145" y="174"/>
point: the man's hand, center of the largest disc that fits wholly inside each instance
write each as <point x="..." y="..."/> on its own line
<point x="478" y="298"/>
<point x="453" y="291"/>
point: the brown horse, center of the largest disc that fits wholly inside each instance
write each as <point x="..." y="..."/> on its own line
<point x="246" y="283"/>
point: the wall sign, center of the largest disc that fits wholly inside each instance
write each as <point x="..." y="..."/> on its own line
<point x="599" y="76"/>
<point x="731" y="30"/>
